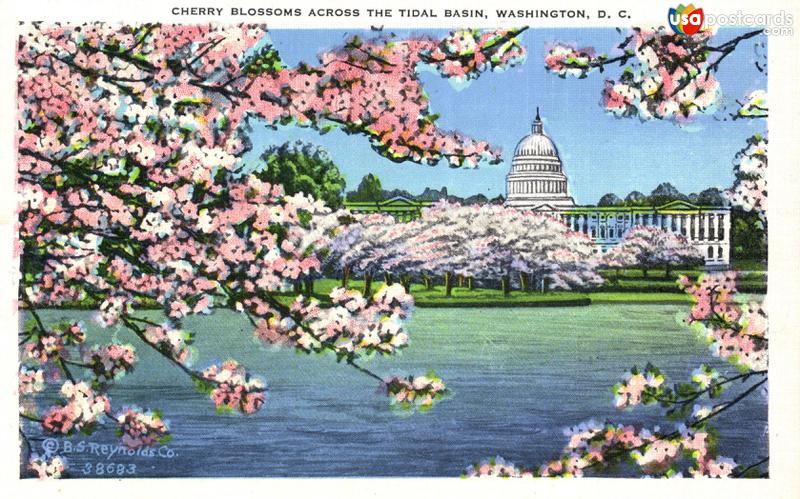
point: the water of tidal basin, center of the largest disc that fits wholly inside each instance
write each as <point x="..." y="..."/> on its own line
<point x="519" y="376"/>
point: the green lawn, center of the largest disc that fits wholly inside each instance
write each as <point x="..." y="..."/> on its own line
<point x="631" y="297"/>
<point x="759" y="265"/>
<point x="463" y="297"/>
<point x="753" y="273"/>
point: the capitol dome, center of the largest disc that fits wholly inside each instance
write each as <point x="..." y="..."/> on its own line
<point x="536" y="144"/>
<point x="536" y="179"/>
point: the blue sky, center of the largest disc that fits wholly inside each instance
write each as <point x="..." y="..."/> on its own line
<point x="600" y="153"/>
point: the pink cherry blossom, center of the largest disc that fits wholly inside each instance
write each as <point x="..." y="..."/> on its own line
<point x="140" y="429"/>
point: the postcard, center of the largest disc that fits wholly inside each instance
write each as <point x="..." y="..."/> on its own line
<point x="499" y="243"/>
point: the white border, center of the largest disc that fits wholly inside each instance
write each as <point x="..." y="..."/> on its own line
<point x="784" y="246"/>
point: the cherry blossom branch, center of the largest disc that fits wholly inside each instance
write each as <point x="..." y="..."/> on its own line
<point x="197" y="375"/>
<point x="59" y="360"/>
<point x="128" y="321"/>
<point x="750" y="467"/>
<point x="728" y="47"/>
<point x="369" y="373"/>
<point x="697" y="394"/>
<point x="727" y="405"/>
<point x="29" y="417"/>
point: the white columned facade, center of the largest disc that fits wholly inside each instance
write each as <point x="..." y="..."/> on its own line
<point x="536" y="181"/>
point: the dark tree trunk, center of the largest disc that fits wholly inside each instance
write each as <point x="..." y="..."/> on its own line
<point x="297" y="287"/>
<point x="644" y="271"/>
<point x="309" y="286"/>
<point x="345" y="276"/>
<point x="448" y="284"/>
<point x="426" y="279"/>
<point x="523" y="281"/>
<point x="406" y="282"/>
<point x="470" y="283"/>
<point x="367" y="284"/>
<point x="505" y="285"/>
<point x="667" y="271"/>
<point x="387" y="278"/>
<point x="460" y="281"/>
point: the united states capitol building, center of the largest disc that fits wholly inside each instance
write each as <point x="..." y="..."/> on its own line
<point x="537" y="182"/>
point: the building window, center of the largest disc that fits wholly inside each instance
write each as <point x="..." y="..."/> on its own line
<point x="710" y="252"/>
<point x="721" y="225"/>
<point x="602" y="232"/>
<point x="719" y="252"/>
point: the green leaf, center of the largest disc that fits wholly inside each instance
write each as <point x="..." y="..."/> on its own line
<point x="203" y="386"/>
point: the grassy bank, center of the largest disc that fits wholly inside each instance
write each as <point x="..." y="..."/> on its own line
<point x="479" y="297"/>
<point x="656" y="281"/>
<point x="629" y="286"/>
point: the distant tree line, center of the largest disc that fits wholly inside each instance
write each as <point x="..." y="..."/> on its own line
<point x="665" y="193"/>
<point x="370" y="190"/>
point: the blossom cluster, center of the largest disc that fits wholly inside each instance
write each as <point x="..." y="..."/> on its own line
<point x="568" y="61"/>
<point x="81" y="409"/>
<point x="110" y="362"/>
<point x="47" y="467"/>
<point x="638" y="387"/>
<point x="231" y="388"/>
<point x="497" y="467"/>
<point x="415" y="393"/>
<point x="465" y="54"/>
<point x="735" y="332"/>
<point x="666" y="76"/>
<point x="594" y="446"/>
<point x="140" y="429"/>
<point x="755" y="105"/>
<point x="30" y="380"/>
<point x="749" y="190"/>
<point x="669" y="79"/>
<point x="50" y="345"/>
<point x="351" y="327"/>
<point x="175" y="343"/>
<point x="112" y="309"/>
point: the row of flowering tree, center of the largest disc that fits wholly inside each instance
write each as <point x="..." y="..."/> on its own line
<point x="487" y="243"/>
<point x="129" y="141"/>
<point x="650" y="247"/>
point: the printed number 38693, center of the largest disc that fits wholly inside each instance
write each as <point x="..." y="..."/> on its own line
<point x="109" y="469"/>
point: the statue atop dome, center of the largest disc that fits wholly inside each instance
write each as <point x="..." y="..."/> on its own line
<point x="536" y="179"/>
<point x="537" y="124"/>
